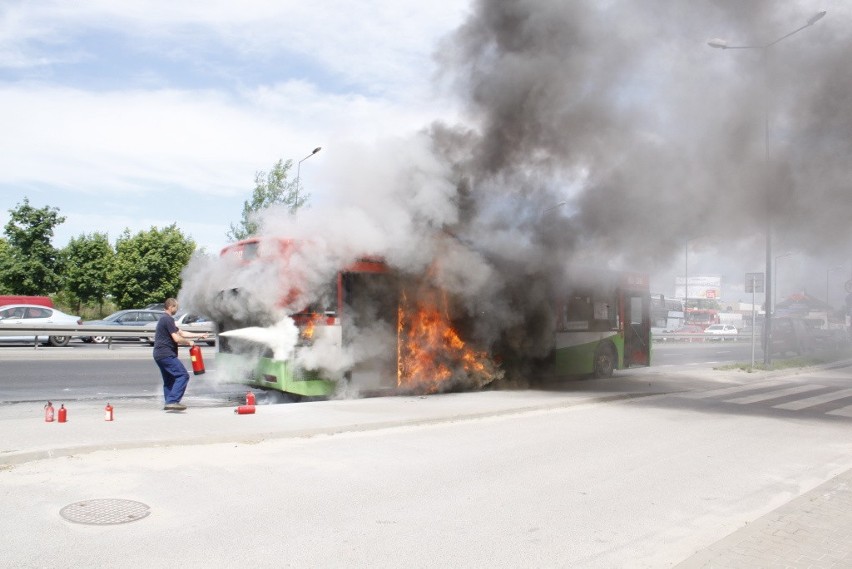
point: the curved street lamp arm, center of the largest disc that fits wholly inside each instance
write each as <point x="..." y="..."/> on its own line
<point x="722" y="44"/>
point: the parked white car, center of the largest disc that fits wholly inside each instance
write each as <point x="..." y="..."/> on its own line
<point x="721" y="331"/>
<point x="30" y="315"/>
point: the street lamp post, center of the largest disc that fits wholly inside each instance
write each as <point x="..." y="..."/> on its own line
<point x="685" y="279"/>
<point x="686" y="276"/>
<point x="722" y="44"/>
<point x="298" y="175"/>
<point x="827" y="273"/>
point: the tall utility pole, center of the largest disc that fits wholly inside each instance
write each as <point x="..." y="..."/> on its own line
<point x="827" y="273"/>
<point x="722" y="44"/>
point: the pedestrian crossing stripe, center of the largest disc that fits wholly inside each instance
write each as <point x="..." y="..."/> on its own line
<point x="843" y="411"/>
<point x="732" y="390"/>
<point x="815" y="400"/>
<point x="778" y="388"/>
<point x="748" y="399"/>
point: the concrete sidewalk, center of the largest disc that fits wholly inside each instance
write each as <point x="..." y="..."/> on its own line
<point x="812" y="531"/>
<point x="144" y="423"/>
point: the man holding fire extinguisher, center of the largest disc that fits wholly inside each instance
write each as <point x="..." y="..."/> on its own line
<point x="166" y="340"/>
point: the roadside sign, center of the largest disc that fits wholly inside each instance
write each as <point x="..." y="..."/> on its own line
<point x="754" y="282"/>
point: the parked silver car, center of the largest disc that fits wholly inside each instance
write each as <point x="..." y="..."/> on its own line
<point x="129" y="317"/>
<point x="195" y="323"/>
<point x="31" y="315"/>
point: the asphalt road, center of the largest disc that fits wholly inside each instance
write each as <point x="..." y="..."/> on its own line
<point x="87" y="371"/>
<point x="709" y="353"/>
<point x="83" y="372"/>
<point x="126" y="371"/>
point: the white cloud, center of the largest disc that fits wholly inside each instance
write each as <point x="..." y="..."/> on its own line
<point x="376" y="44"/>
<point x="109" y="150"/>
<point x="205" y="142"/>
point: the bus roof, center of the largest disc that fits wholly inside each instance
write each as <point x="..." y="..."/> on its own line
<point x="247" y="250"/>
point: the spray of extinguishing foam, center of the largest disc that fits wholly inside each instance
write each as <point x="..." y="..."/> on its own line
<point x="281" y="337"/>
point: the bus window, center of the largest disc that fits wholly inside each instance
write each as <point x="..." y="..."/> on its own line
<point x="636" y="310"/>
<point x="606" y="317"/>
<point x="601" y="310"/>
<point x="578" y="313"/>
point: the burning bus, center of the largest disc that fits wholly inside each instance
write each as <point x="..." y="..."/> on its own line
<point x="369" y="328"/>
<point x="365" y="328"/>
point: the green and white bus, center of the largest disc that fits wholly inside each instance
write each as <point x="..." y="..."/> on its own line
<point x="603" y="323"/>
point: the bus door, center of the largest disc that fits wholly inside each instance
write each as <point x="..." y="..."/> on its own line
<point x="370" y="301"/>
<point x="637" y="329"/>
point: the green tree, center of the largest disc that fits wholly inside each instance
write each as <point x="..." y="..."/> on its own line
<point x="148" y="265"/>
<point x="87" y="262"/>
<point x="29" y="266"/>
<point x="4" y="257"/>
<point x="269" y="189"/>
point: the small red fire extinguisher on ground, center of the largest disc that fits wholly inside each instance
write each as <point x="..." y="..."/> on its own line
<point x="108" y="416"/>
<point x="197" y="360"/>
<point x="244" y="410"/>
<point x="250" y="399"/>
<point x="48" y="412"/>
<point x="62" y="414"/>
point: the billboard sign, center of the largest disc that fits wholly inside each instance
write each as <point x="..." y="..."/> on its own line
<point x="700" y="287"/>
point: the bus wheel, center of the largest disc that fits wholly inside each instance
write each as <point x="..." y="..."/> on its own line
<point x="604" y="361"/>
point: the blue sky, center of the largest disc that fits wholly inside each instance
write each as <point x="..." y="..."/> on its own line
<point x="145" y="113"/>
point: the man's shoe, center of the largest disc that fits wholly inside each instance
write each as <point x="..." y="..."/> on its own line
<point x="175" y="407"/>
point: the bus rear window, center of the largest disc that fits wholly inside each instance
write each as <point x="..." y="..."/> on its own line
<point x="586" y="312"/>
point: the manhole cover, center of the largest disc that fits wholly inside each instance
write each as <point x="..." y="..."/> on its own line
<point x="104" y="511"/>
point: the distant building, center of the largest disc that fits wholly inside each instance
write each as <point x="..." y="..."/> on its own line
<point x="666" y="313"/>
<point x="803" y="305"/>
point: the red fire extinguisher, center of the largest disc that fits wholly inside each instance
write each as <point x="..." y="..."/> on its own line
<point x="62" y="414"/>
<point x="244" y="410"/>
<point x="48" y="412"/>
<point x="197" y="360"/>
<point x="108" y="416"/>
<point x="250" y="399"/>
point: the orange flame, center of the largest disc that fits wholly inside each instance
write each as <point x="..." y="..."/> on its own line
<point x="430" y="352"/>
<point x="307" y="326"/>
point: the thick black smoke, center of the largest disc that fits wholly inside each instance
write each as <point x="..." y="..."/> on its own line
<point x="621" y="112"/>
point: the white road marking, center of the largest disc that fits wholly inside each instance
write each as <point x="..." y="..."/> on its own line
<point x="843" y="411"/>
<point x="774" y="394"/>
<point x="736" y="389"/>
<point x="815" y="400"/>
